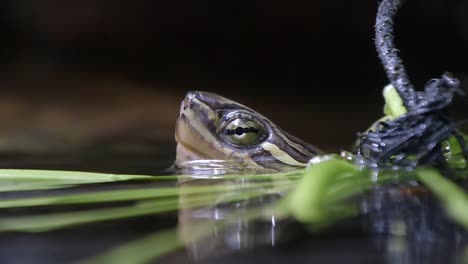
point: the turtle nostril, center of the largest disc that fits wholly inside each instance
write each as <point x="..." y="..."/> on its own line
<point x="186" y="102"/>
<point x="189" y="99"/>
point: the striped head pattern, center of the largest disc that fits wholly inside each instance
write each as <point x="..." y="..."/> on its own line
<point x="211" y="127"/>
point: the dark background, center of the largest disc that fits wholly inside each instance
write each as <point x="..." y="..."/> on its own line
<point x="76" y="73"/>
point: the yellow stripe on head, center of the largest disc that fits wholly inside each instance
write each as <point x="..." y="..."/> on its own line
<point x="280" y="155"/>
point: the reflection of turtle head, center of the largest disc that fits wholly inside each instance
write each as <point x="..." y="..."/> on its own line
<point x="223" y="226"/>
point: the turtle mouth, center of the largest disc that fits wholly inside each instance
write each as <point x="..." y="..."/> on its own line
<point x="193" y="131"/>
<point x="186" y="153"/>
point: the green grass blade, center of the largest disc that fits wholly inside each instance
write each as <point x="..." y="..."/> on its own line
<point x="132" y="194"/>
<point x="24" y="180"/>
<point x="451" y="195"/>
<point x="58" y="175"/>
<point x="46" y="222"/>
<point x="14" y="186"/>
<point x="59" y="220"/>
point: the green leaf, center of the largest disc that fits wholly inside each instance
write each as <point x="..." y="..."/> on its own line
<point x="306" y="202"/>
<point x="393" y="103"/>
<point x="450" y="194"/>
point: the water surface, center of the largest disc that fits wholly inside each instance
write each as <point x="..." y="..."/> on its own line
<point x="395" y="225"/>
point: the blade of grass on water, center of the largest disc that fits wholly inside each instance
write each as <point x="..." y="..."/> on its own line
<point x="46" y="222"/>
<point x="133" y="194"/>
<point x="39" y="223"/>
<point x="24" y="180"/>
<point x="16" y="186"/>
<point x="58" y="175"/>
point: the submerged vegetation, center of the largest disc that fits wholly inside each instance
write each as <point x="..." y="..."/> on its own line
<point x="414" y="144"/>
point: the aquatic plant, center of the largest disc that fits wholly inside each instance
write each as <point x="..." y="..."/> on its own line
<point x="413" y="132"/>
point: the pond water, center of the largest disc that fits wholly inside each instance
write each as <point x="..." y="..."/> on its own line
<point x="395" y="226"/>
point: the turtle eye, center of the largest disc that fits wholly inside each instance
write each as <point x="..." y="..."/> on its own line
<point x="243" y="132"/>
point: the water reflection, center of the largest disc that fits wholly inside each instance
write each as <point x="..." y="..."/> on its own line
<point x="234" y="220"/>
<point x="409" y="226"/>
<point x="406" y="224"/>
